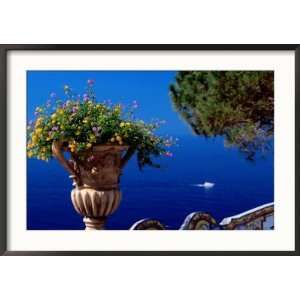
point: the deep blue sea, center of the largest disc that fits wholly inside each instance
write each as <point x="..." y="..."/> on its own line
<point x="167" y="194"/>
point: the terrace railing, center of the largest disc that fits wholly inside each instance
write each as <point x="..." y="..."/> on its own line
<point x="258" y="218"/>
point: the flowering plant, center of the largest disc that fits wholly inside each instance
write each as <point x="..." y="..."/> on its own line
<point x="81" y="122"/>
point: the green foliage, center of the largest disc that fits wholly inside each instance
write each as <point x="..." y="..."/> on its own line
<point x="81" y="122"/>
<point x="236" y="104"/>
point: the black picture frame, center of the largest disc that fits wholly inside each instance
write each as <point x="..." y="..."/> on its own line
<point x="4" y="49"/>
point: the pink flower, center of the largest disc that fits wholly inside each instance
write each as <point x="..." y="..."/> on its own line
<point x="85" y="97"/>
<point x="169" y="154"/>
<point x="134" y="104"/>
<point x="91" y="158"/>
<point x="90" y="82"/>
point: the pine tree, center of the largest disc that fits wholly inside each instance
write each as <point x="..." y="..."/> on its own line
<point x="238" y="105"/>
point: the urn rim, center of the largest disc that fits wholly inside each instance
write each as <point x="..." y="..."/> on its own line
<point x="106" y="147"/>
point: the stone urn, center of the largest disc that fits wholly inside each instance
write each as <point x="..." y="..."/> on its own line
<point x="96" y="179"/>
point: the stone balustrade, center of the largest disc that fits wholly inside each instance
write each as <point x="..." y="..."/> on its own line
<point x="258" y="218"/>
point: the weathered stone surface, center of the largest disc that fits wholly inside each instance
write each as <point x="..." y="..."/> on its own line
<point x="198" y="221"/>
<point x="95" y="205"/>
<point x="147" y="224"/>
<point x="102" y="169"/>
<point x="258" y="218"/>
<point x="96" y="177"/>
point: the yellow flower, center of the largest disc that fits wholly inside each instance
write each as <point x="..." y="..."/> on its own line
<point x="72" y="148"/>
<point x="85" y="121"/>
<point x="128" y="124"/>
<point x="38" y="121"/>
<point x="92" y="138"/>
<point x="38" y="131"/>
<point x="60" y="111"/>
<point x="53" y="116"/>
<point x="34" y="139"/>
<point x="117" y="109"/>
<point x="122" y="124"/>
<point x="39" y="109"/>
<point x="72" y="145"/>
<point x="88" y="145"/>
<point x="30" y="154"/>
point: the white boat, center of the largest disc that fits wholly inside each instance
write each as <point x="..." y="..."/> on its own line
<point x="206" y="185"/>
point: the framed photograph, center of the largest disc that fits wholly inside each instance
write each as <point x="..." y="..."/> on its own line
<point x="149" y="149"/>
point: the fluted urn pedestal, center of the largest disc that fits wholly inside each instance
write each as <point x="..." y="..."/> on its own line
<point x="96" y="177"/>
<point x="95" y="206"/>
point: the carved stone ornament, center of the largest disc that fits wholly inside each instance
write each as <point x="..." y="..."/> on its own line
<point x="95" y="205"/>
<point x="96" y="176"/>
